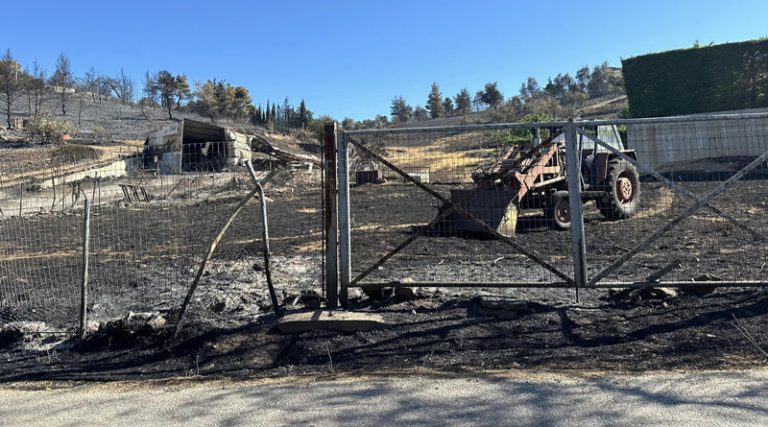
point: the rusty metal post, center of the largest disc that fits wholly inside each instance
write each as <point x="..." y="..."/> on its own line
<point x="578" y="242"/>
<point x="330" y="218"/>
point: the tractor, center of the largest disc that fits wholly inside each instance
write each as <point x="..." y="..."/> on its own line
<point x="533" y="175"/>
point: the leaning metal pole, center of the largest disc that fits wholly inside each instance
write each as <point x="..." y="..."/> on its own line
<point x="265" y="237"/>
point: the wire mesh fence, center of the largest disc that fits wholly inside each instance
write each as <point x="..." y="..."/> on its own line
<point x="448" y="207"/>
<point x="698" y="210"/>
<point x="150" y="229"/>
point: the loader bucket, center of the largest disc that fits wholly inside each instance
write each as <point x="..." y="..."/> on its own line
<point x="496" y="208"/>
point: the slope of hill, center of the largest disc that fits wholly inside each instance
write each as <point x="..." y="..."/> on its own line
<point x="109" y="120"/>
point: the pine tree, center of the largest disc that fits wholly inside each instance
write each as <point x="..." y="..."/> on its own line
<point x="400" y="111"/>
<point x="435" y="102"/>
<point x="303" y="116"/>
<point x="463" y="102"/>
<point x="448" y="105"/>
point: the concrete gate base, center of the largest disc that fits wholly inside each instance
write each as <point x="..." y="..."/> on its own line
<point x="345" y="321"/>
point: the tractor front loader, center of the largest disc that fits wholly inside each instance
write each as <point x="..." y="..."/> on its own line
<point x="533" y="176"/>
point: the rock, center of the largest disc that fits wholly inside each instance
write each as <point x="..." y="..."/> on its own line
<point x="641" y="295"/>
<point x="18" y="331"/>
<point x="426" y="292"/>
<point x="33" y="336"/>
<point x="291" y="298"/>
<point x="376" y="293"/>
<point x="355" y="294"/>
<point x="151" y="321"/>
<point x="311" y="298"/>
<point x="405" y="294"/>
<point x="156" y="322"/>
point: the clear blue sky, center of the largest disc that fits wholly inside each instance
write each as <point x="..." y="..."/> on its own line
<point x="350" y="58"/>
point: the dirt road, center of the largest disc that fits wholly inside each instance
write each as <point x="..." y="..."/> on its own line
<point x="517" y="398"/>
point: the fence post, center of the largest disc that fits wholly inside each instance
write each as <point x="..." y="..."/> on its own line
<point x="345" y="270"/>
<point x="578" y="242"/>
<point x="330" y="219"/>
<point x="86" y="258"/>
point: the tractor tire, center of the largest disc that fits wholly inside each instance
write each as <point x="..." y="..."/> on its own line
<point x="622" y="196"/>
<point x="558" y="212"/>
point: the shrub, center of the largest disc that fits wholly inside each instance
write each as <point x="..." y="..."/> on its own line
<point x="48" y="129"/>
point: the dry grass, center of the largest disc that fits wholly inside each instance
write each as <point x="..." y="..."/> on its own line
<point x="437" y="159"/>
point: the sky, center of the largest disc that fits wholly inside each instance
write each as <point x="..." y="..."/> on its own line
<point x="349" y="58"/>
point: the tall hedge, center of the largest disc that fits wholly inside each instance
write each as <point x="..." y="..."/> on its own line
<point x="725" y="77"/>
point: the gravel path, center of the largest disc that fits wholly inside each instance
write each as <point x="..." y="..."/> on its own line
<point x="517" y="398"/>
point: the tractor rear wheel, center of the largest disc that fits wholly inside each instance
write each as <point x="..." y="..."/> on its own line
<point x="622" y="197"/>
<point x="558" y="212"/>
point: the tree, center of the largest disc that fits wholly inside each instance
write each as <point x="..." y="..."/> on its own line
<point x="561" y="86"/>
<point x="63" y="80"/>
<point x="605" y="80"/>
<point x="167" y="87"/>
<point x="582" y="78"/>
<point x="217" y="98"/>
<point x="530" y="89"/>
<point x="150" y="90"/>
<point x="348" y="123"/>
<point x="380" y="121"/>
<point x="400" y="111"/>
<point x="420" y="114"/>
<point x="448" y="106"/>
<point x="463" y="102"/>
<point x="242" y="104"/>
<point x="90" y="83"/>
<point x="35" y="87"/>
<point x="104" y="88"/>
<point x="305" y="116"/>
<point x="184" y="92"/>
<point x="490" y="95"/>
<point x="435" y="102"/>
<point x="122" y="86"/>
<point x="11" y="83"/>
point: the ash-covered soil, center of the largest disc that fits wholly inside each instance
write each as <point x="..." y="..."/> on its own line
<point x="230" y="324"/>
<point x="449" y="332"/>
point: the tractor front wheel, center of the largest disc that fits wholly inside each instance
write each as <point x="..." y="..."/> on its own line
<point x="558" y="212"/>
<point x="622" y="197"/>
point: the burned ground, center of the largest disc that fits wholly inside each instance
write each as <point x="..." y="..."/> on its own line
<point x="230" y="326"/>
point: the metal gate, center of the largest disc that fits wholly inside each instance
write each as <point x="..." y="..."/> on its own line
<point x="410" y="212"/>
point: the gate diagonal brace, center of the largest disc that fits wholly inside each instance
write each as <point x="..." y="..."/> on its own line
<point x="490" y="230"/>
<point x="673" y="185"/>
<point x="700" y="202"/>
<point x="416" y="234"/>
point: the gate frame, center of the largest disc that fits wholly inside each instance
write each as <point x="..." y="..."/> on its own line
<point x="338" y="235"/>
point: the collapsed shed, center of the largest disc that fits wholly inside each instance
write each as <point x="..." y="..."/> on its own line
<point x="194" y="146"/>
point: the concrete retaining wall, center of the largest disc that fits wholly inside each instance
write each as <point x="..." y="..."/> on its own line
<point x="669" y="146"/>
